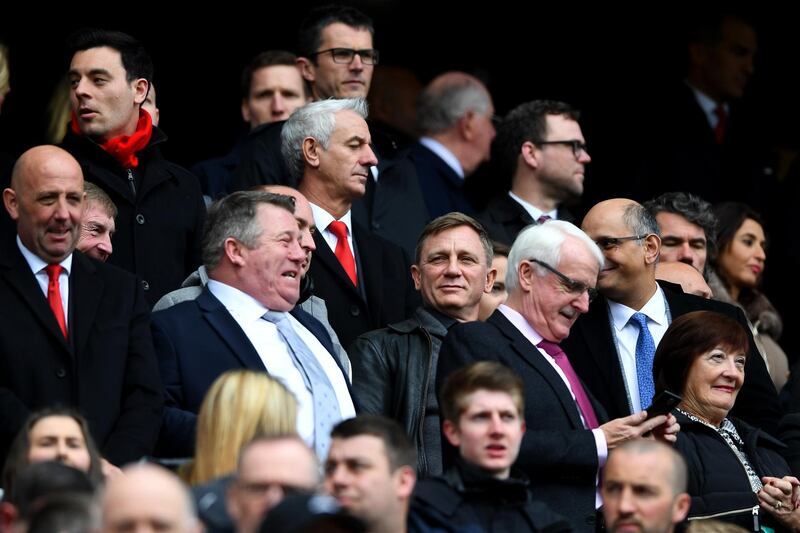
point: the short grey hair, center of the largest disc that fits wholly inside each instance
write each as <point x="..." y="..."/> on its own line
<point x="234" y="216"/>
<point x="640" y="221"/>
<point x="316" y="120"/>
<point x="679" y="476"/>
<point x="440" y="107"/>
<point x="543" y="242"/>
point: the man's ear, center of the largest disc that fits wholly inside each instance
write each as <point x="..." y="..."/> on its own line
<point x="466" y="126"/>
<point x="407" y="478"/>
<point x="416" y="275"/>
<point x="525" y="273"/>
<point x="11" y="201"/>
<point x="529" y="153"/>
<point x="235" y="251"/>
<point x="311" y="151"/>
<point x="140" y="87"/>
<point x="491" y="275"/>
<point x="451" y="433"/>
<point x="245" y="110"/>
<point x="652" y="248"/>
<point x="307" y="69"/>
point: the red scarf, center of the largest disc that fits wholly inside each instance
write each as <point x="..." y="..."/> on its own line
<point x="125" y="147"/>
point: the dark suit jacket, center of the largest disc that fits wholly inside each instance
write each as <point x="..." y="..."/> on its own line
<point x="384" y="276"/>
<point x="107" y="370"/>
<point x="442" y="188"/>
<point x="504" y="218"/>
<point x="557" y="454"/>
<point x="196" y="341"/>
<point x="594" y="356"/>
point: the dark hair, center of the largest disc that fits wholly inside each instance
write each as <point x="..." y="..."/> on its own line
<point x="691" y="207"/>
<point x="17" y="458"/>
<point x="266" y="59"/>
<point x="526" y="122"/>
<point x="488" y="375"/>
<point x="399" y="450"/>
<point x="309" y="36"/>
<point x="730" y="217"/>
<point x="44" y="480"/>
<point x="65" y="513"/>
<point x="500" y="248"/>
<point x="690" y="336"/>
<point x="450" y="221"/>
<point x="706" y="26"/>
<point x="135" y="59"/>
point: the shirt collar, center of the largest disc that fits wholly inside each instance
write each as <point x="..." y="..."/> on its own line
<point x="323" y="219"/>
<point x="707" y="104"/>
<point x="235" y="300"/>
<point x="655" y="309"/>
<point x="520" y="323"/>
<point x="37" y="264"/>
<point x="444" y="153"/>
<point x="532" y="210"/>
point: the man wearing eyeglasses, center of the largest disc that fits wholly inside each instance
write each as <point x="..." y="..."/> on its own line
<point x="541" y="147"/>
<point x="612" y="347"/>
<point x="552" y="271"/>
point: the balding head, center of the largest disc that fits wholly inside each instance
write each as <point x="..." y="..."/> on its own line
<point x="148" y="497"/>
<point x="685" y="275"/>
<point x="628" y="235"/>
<point x="46" y="200"/>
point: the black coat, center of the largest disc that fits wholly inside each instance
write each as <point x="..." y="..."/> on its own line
<point x="717" y="480"/>
<point x="160" y="225"/>
<point x="558" y="454"/>
<point x="504" y="218"/>
<point x="593" y="354"/>
<point x="466" y="500"/>
<point x="107" y="370"/>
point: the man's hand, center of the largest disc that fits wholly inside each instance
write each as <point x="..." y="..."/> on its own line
<point x="621" y="430"/>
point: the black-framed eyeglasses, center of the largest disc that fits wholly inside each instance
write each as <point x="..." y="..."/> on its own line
<point x="573" y="286"/>
<point x="607" y="243"/>
<point x="345" y="56"/>
<point x="576" y="145"/>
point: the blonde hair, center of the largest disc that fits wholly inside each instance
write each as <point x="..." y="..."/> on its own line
<point x="239" y="405"/>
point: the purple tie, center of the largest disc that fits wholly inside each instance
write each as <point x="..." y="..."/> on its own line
<point x="542" y="219"/>
<point x="585" y="406"/>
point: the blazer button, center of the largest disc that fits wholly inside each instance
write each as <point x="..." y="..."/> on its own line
<point x="140" y="218"/>
<point x="354" y="310"/>
<point x="376" y="225"/>
<point x="145" y="285"/>
<point x="61" y="373"/>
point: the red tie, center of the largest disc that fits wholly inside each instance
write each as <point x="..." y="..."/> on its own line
<point x="343" y="253"/>
<point x="54" y="296"/>
<point x="585" y="406"/>
<point x="722" y="122"/>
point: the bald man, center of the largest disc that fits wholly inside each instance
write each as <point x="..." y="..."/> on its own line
<point x="147" y="498"/>
<point x="685" y="275"/>
<point x="78" y="334"/>
<point x="608" y="345"/>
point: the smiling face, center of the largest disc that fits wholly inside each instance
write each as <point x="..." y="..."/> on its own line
<point x="742" y="261"/>
<point x="97" y="228"/>
<point x="453" y="274"/>
<point x="339" y="80"/>
<point x="713" y="382"/>
<point x="106" y="104"/>
<point x="489" y="431"/>
<point x="59" y="438"/>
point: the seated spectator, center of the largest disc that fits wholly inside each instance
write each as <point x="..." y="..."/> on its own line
<point x="685" y="275"/>
<point x="239" y="405"/>
<point x="63" y="513"/>
<point x="97" y="223"/>
<point x="483" y="410"/>
<point x="492" y="300"/>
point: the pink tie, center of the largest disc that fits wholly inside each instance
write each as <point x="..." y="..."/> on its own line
<point x="343" y="253"/>
<point x="585" y="406"/>
<point x="54" y="296"/>
<point x="722" y="122"/>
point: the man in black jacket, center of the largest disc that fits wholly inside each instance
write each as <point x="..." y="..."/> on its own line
<point x="161" y="211"/>
<point x="394" y="370"/>
<point x="483" y="409"/>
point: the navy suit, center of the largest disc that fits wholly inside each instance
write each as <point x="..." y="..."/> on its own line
<point x="504" y="218"/>
<point x="442" y="188"/>
<point x="197" y="341"/>
<point x="558" y="454"/>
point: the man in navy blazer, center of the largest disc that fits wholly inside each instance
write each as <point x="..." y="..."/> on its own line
<point x="253" y="255"/>
<point x="80" y="336"/>
<point x="552" y="271"/>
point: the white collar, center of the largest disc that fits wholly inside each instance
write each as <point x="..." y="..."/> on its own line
<point x="235" y="300"/>
<point x="37" y="264"/>
<point x="532" y="210"/>
<point x="655" y="309"/>
<point x="444" y="153"/>
<point x="323" y="219"/>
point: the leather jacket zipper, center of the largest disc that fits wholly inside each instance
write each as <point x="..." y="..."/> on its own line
<point x="132" y="182"/>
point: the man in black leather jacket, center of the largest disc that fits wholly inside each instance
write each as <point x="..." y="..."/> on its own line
<point x="394" y="368"/>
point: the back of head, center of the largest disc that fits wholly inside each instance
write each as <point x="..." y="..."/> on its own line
<point x="135" y="59"/>
<point x="678" y="472"/>
<point x="447" y="99"/>
<point x="303" y="513"/>
<point x="399" y="449"/>
<point x="43" y="480"/>
<point x="239" y="405"/>
<point x="64" y="513"/>
<point x="309" y="36"/>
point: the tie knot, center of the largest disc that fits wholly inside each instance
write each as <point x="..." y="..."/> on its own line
<point x="551" y="348"/>
<point x="720" y="112"/>
<point x="53" y="271"/>
<point x="274" y="317"/>
<point x="338" y="228"/>
<point x="544" y="218"/>
<point x="640" y="319"/>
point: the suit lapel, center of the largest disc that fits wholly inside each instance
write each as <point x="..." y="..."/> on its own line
<point x="20" y="278"/>
<point x="229" y="331"/>
<point x="531" y="355"/>
<point x="325" y="257"/>
<point x="675" y="300"/>
<point x="86" y="291"/>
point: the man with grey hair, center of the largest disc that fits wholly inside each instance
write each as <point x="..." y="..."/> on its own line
<point x="147" y="497"/>
<point x="395" y="367"/>
<point x="552" y="271"/>
<point x="363" y="279"/>
<point x="454" y="115"/>
<point x="688" y="226"/>
<point x="613" y="345"/>
<point x="97" y="223"/>
<point x="644" y="488"/>
<point x="246" y="317"/>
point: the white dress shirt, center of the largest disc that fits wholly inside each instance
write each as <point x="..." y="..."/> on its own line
<point x="626" y="334"/>
<point x="444" y="153"/>
<point x="323" y="219"/>
<point x="709" y="107"/>
<point x="38" y="266"/>
<point x="532" y="210"/>
<point x="274" y="353"/>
